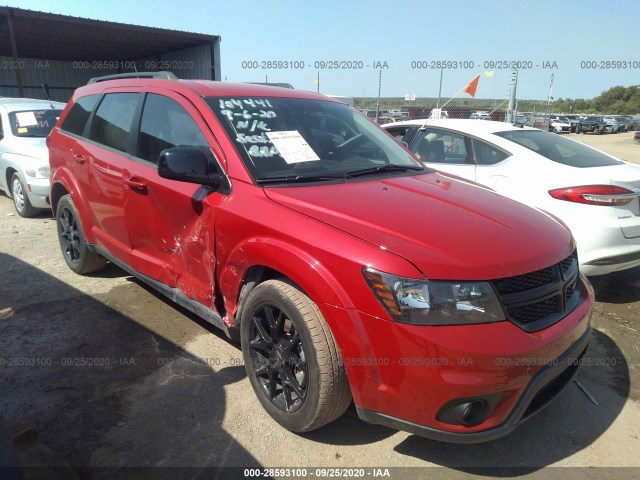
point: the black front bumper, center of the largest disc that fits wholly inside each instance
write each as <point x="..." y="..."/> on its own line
<point x="545" y="386"/>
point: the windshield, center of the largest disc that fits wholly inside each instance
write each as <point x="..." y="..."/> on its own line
<point x="559" y="149"/>
<point x="288" y="139"/>
<point x="33" y="123"/>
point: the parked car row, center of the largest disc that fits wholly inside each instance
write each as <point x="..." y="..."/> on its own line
<point x="566" y="123"/>
<point x="552" y="123"/>
<point x="607" y="124"/>
<point x="386" y="116"/>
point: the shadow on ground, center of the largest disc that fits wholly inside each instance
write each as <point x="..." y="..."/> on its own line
<point x="102" y="390"/>
<point x="618" y="287"/>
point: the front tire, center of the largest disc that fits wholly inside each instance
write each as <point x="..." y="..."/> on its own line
<point x="21" y="198"/>
<point x="73" y="244"/>
<point x="291" y="358"/>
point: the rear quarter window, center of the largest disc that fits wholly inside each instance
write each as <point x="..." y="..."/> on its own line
<point x="77" y="118"/>
<point x="559" y="149"/>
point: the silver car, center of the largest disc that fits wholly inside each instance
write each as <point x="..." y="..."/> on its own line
<point x="24" y="158"/>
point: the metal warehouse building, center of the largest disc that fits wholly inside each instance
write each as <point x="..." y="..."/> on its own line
<point x="58" y="52"/>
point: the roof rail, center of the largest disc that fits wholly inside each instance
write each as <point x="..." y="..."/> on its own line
<point x="164" y="75"/>
<point x="281" y="85"/>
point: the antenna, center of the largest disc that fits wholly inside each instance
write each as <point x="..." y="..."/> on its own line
<point x="45" y="87"/>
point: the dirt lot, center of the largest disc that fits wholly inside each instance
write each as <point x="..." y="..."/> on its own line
<point x="100" y="372"/>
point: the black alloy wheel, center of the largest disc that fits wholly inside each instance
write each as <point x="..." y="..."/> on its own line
<point x="278" y="358"/>
<point x="79" y="257"/>
<point x="291" y="358"/>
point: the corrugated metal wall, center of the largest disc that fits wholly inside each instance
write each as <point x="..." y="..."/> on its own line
<point x="63" y="78"/>
<point x="194" y="62"/>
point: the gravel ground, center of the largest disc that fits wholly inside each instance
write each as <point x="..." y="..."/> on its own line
<point x="107" y="375"/>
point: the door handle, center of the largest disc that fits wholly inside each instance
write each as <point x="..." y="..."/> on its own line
<point x="135" y="184"/>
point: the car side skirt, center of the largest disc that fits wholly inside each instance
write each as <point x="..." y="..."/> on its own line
<point x="173" y="294"/>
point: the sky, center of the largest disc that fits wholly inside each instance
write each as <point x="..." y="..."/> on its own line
<point x="402" y="48"/>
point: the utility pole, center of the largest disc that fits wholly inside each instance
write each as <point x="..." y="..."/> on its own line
<point x="379" y="89"/>
<point x="549" y="100"/>
<point x="440" y="89"/>
<point x="510" y="118"/>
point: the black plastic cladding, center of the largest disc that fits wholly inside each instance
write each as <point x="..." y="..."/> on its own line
<point x="536" y="300"/>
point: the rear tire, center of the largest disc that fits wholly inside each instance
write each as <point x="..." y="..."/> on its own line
<point x="74" y="247"/>
<point x="291" y="358"/>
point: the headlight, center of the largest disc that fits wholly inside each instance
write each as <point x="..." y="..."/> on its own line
<point x="44" y="171"/>
<point x="424" y="302"/>
<point x="41" y="172"/>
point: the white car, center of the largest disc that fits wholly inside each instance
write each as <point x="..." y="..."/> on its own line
<point x="595" y="194"/>
<point x="560" y="125"/>
<point x="24" y="158"/>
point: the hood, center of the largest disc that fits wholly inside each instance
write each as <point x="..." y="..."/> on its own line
<point x="448" y="228"/>
<point x="29" y="147"/>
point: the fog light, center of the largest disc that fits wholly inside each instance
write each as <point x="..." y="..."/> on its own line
<point x="472" y="411"/>
<point x="468" y="411"/>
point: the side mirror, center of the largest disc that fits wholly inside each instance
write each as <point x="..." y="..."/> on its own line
<point x="187" y="164"/>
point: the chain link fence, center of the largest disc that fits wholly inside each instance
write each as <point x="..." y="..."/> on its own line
<point x="394" y="113"/>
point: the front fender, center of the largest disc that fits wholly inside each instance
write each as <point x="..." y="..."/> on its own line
<point x="293" y="262"/>
<point x="21" y="163"/>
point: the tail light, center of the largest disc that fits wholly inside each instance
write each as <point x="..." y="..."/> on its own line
<point x="609" y="195"/>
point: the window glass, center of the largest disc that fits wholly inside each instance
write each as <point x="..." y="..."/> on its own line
<point x="399" y="132"/>
<point x="165" y="124"/>
<point x="112" y="123"/>
<point x="78" y="116"/>
<point x="559" y="149"/>
<point x="440" y="146"/>
<point x="308" y="140"/>
<point x="487" y="154"/>
<point x="33" y="123"/>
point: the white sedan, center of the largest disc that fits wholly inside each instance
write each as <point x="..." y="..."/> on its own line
<point x="595" y="194"/>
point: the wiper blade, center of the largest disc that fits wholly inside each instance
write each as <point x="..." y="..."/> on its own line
<point x="383" y="169"/>
<point x="342" y="176"/>
<point x="296" y="179"/>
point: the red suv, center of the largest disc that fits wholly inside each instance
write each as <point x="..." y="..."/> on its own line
<point x="348" y="270"/>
